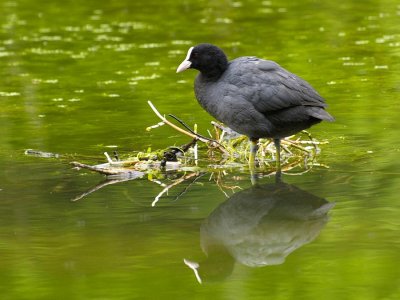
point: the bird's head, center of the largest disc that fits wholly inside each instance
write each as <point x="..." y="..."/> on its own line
<point x="210" y="60"/>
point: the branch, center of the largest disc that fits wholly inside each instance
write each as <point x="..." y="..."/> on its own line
<point x="173" y="125"/>
<point x="195" y="136"/>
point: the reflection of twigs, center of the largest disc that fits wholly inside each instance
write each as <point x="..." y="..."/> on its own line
<point x="101" y="185"/>
<point x="157" y="181"/>
<point x="188" y="186"/>
<point x="166" y="189"/>
<point x="95" y="188"/>
<point x="221" y="186"/>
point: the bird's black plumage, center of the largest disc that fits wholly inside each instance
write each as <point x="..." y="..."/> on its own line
<point x="253" y="96"/>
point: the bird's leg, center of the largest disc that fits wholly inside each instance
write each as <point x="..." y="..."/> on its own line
<point x="277" y="143"/>
<point x="252" y="161"/>
<point x="253" y="152"/>
<point x="278" y="177"/>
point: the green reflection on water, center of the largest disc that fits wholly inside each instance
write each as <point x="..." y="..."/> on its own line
<point x="75" y="78"/>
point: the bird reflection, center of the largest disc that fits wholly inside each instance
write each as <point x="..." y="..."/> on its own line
<point x="258" y="227"/>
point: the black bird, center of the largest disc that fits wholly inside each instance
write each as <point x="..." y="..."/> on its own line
<point x="253" y="96"/>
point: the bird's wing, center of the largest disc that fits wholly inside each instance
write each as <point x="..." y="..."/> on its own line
<point x="269" y="87"/>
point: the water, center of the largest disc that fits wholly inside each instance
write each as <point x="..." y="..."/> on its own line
<point x="75" y="78"/>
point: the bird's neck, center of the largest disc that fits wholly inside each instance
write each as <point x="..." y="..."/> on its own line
<point x="213" y="73"/>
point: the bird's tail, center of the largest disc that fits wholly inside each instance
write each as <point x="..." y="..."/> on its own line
<point x="320" y="113"/>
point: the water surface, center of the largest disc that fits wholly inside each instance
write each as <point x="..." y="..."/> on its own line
<point x="75" y="80"/>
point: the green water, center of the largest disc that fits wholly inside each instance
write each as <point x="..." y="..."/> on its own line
<point x="74" y="79"/>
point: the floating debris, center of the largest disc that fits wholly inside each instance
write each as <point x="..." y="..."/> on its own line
<point x="43" y="154"/>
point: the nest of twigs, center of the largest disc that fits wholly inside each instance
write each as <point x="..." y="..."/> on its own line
<point x="222" y="149"/>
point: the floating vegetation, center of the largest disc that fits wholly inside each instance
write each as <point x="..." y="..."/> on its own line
<point x="223" y="149"/>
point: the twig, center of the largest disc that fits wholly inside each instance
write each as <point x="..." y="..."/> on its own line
<point x="293" y="144"/>
<point x="105" y="171"/>
<point x="190" y="129"/>
<point x="202" y="139"/>
<point x="195" y="148"/>
<point x="173" y="125"/>
<point x="108" y="158"/>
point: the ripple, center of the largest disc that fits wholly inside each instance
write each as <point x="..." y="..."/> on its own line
<point x="106" y="82"/>
<point x="72" y="28"/>
<point x="151" y="77"/>
<point x="175" y="53"/>
<point x="9" y="94"/>
<point x="181" y="42"/>
<point x="132" y="25"/>
<point x="103" y="28"/>
<point x="223" y="20"/>
<point x="38" y="80"/>
<point x="352" y="63"/>
<point x="80" y="55"/>
<point x="8" y="42"/>
<point x="42" y="51"/>
<point x="152" y="63"/>
<point x="266" y="10"/>
<point x="111" y="95"/>
<point x="6" y="53"/>
<point x="384" y="39"/>
<point x="362" y="42"/>
<point x="152" y="45"/>
<point x="120" y="47"/>
<point x="104" y="37"/>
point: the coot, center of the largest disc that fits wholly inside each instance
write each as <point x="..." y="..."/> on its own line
<point x="253" y="96"/>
